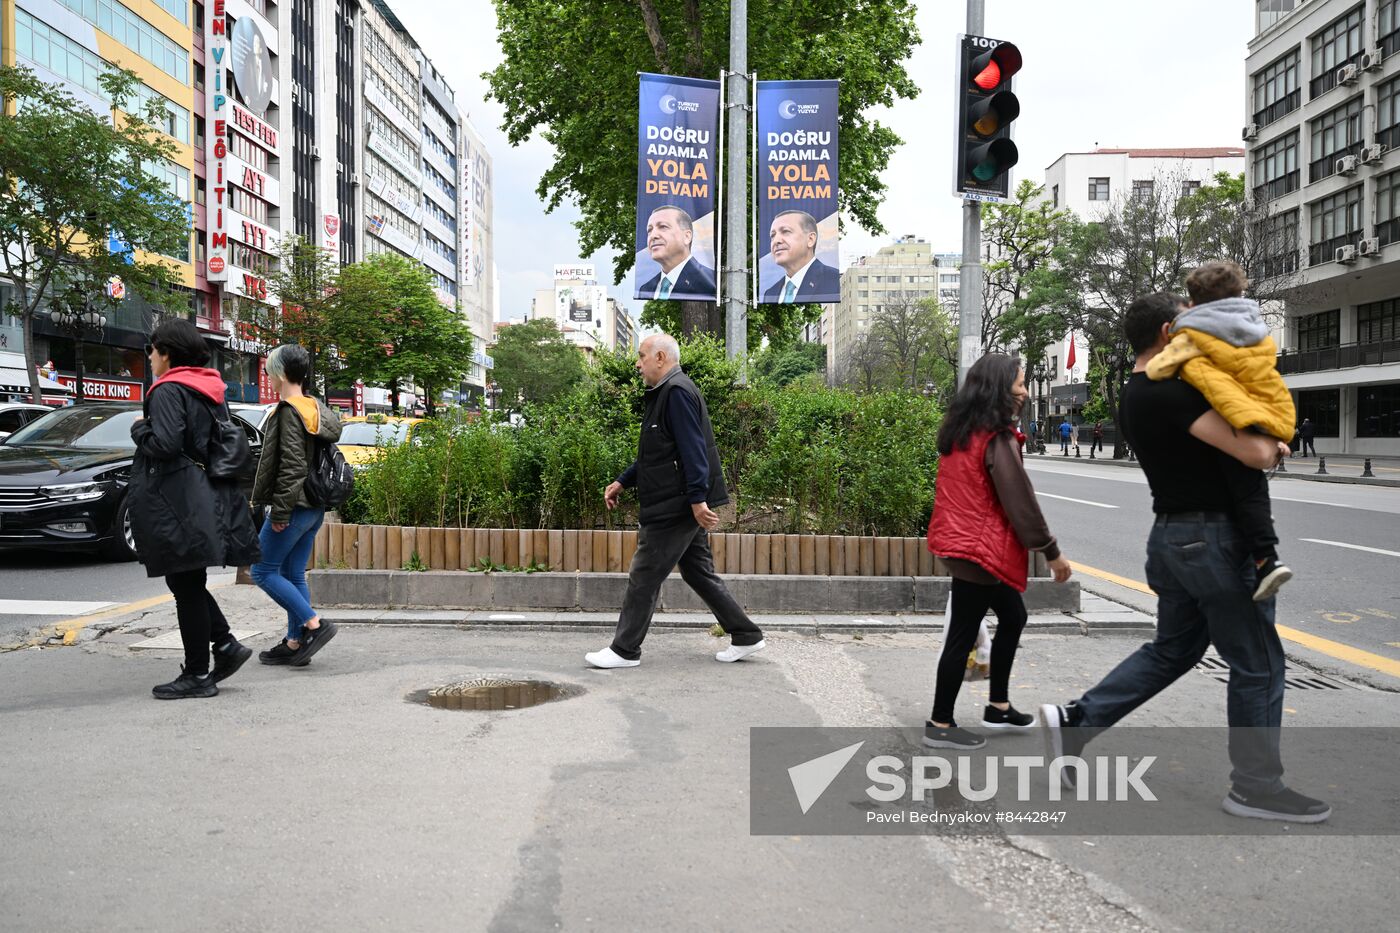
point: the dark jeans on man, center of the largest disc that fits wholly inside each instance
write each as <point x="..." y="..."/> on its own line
<point x="1198" y="564"/>
<point x="202" y="623"/>
<point x="970" y="604"/>
<point x="660" y="547"/>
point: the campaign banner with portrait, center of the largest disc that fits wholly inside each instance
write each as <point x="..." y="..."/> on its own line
<point x="676" y="157"/>
<point x="798" y="244"/>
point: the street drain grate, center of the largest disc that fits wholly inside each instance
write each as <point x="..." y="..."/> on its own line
<point x="489" y="693"/>
<point x="1294" y="677"/>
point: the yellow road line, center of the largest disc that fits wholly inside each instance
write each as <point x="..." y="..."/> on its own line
<point x="1333" y="649"/>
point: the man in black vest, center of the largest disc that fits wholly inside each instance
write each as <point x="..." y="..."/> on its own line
<point x="678" y="478"/>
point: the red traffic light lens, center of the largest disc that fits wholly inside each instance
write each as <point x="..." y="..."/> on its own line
<point x="995" y="66"/>
<point x="989" y="77"/>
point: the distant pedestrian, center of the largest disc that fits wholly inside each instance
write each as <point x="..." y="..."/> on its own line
<point x="678" y="478"/>
<point x="985" y="520"/>
<point x="1074" y="438"/>
<point x="1198" y="564"/>
<point x="1098" y="438"/>
<point x="291" y="521"/>
<point x="185" y="520"/>
<point x="1034" y="430"/>
<point x="1065" y="431"/>
<point x="1306" y="431"/>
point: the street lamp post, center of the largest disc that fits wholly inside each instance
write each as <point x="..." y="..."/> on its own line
<point x="929" y="389"/>
<point x="493" y="396"/>
<point x="73" y="324"/>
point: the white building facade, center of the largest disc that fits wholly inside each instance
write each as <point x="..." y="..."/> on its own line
<point x="1322" y="121"/>
<point x="584" y="313"/>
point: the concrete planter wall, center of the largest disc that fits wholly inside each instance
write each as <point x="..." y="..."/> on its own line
<point x="382" y="547"/>
<point x="592" y="591"/>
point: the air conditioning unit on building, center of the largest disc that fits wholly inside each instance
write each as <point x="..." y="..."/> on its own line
<point x="355" y="178"/>
<point x="1250" y="133"/>
<point x="1344" y="254"/>
<point x="1371" y="246"/>
<point x="1372" y="60"/>
<point x="316" y="152"/>
<point x="1373" y="153"/>
<point x="1346" y="165"/>
<point x="1348" y="74"/>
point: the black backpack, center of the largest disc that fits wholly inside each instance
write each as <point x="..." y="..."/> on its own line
<point x="330" y="481"/>
<point x="228" y="456"/>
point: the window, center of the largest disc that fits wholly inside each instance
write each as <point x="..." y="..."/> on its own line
<point x="1320" y="331"/>
<point x="1323" y="406"/>
<point x="1190" y="188"/>
<point x="1388" y="113"/>
<point x="176" y="122"/>
<point x="1269" y="12"/>
<point x="1055" y="196"/>
<point x="135" y="33"/>
<point x="247" y="150"/>
<point x="1337" y="45"/>
<point x="1275" y="167"/>
<point x="1143" y="189"/>
<point x="1378" y="321"/>
<point x="246" y="204"/>
<point x="1278" y="245"/>
<point x="1276" y="90"/>
<point x="1335" y="134"/>
<point x="1388" y="208"/>
<point x="180" y="9"/>
<point x="1378" y="410"/>
<point x="1098" y="189"/>
<point x="1388" y="27"/>
<point x="1335" y="221"/>
<point x="245" y="257"/>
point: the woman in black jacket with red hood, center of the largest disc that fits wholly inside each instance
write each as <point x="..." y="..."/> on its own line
<point x="184" y="521"/>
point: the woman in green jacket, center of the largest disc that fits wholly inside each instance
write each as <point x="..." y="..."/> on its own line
<point x="292" y="520"/>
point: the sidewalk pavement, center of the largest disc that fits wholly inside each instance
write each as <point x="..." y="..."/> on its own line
<point x="624" y="807"/>
<point x="1341" y="468"/>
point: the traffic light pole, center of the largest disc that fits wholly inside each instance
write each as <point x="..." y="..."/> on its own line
<point x="736" y="187"/>
<point x="970" y="273"/>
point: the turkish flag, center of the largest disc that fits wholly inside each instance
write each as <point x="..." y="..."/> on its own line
<point x="1069" y="358"/>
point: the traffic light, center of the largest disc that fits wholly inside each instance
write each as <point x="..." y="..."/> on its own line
<point x="986" y="109"/>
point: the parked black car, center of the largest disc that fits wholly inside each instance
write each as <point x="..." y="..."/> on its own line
<point x="63" y="480"/>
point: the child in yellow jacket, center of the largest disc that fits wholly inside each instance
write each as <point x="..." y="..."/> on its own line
<point x="1222" y="347"/>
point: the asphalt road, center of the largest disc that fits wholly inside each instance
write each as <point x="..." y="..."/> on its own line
<point x="1335" y="537"/>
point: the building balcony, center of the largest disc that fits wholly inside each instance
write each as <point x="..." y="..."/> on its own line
<point x="1345" y="356"/>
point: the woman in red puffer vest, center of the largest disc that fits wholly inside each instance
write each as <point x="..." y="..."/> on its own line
<point x="985" y="521"/>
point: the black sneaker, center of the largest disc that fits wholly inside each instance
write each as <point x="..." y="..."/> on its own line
<point x="228" y="658"/>
<point x="1061" y="737"/>
<point x="951" y="737"/>
<point x="1287" y="805"/>
<point x="1271" y="575"/>
<point x="278" y="654"/>
<point x="186" y="686"/>
<point x="312" y="640"/>
<point x="1009" y="718"/>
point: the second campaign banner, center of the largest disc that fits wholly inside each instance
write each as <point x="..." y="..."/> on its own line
<point x="676" y="159"/>
<point x="798" y="234"/>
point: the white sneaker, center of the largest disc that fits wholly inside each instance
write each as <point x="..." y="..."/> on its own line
<point x="607" y="658"/>
<point x="739" y="652"/>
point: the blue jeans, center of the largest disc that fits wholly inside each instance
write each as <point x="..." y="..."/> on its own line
<point x="1201" y="570"/>
<point x="282" y="571"/>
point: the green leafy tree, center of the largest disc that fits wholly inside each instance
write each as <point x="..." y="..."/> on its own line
<point x="779" y="366"/>
<point x="306" y="282"/>
<point x="71" y="178"/>
<point x="536" y="362"/>
<point x="390" y="327"/>
<point x="569" y="73"/>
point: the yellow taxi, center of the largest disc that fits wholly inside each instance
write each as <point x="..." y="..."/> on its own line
<point x="361" y="434"/>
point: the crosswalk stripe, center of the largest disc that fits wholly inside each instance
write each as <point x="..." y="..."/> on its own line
<point x="49" y="607"/>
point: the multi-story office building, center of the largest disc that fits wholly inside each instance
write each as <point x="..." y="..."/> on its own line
<point x="477" y="293"/>
<point x="69" y="43"/>
<point x="580" y="306"/>
<point x="1088" y="184"/>
<point x="904" y="271"/>
<point x="1323" y="120"/>
<point x="949" y="281"/>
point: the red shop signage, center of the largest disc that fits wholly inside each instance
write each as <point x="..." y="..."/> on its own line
<point x="115" y="390"/>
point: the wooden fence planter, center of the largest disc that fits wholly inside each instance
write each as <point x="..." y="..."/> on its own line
<point x="381" y="547"/>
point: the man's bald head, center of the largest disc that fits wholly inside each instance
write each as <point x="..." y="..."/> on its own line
<point x="657" y="356"/>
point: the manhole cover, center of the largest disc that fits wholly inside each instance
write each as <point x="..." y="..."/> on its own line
<point x="488" y="693"/>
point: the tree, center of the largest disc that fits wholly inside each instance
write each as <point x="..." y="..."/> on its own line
<point x="1020" y="238"/>
<point x="306" y="283"/>
<point x="535" y="360"/>
<point x="909" y="330"/>
<point x="389" y="326"/>
<point x="569" y="73"/>
<point x="779" y="366"/>
<point x="72" y="184"/>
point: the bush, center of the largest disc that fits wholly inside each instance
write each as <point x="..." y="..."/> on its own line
<point x="809" y="458"/>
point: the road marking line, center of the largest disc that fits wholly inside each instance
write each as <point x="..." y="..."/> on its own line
<point x="68" y="629"/>
<point x="1330" y="505"/>
<point x="1353" y="547"/>
<point x="1333" y="649"/>
<point x="1097" y="505"/>
<point x="49" y="607"/>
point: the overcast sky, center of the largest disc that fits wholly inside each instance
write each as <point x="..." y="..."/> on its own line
<point x="1121" y="74"/>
